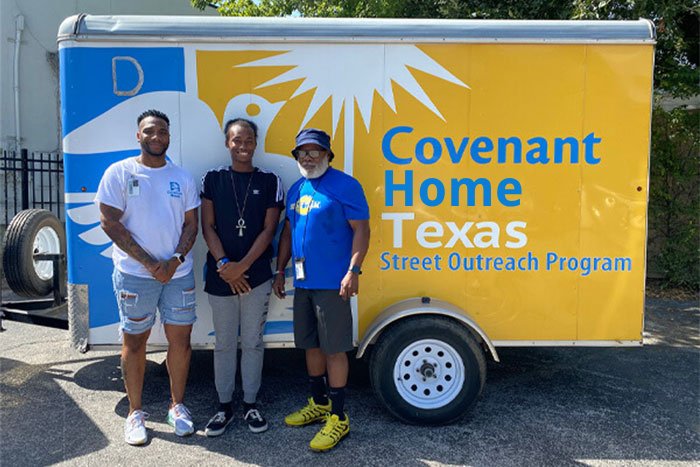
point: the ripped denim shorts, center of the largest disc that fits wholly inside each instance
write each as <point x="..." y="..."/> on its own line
<point x="138" y="298"/>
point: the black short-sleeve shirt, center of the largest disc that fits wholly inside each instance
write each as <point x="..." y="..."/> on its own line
<point x="257" y="191"/>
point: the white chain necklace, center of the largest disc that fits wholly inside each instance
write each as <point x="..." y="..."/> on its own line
<point x="240" y="224"/>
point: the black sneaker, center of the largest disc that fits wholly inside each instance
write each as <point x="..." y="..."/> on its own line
<point x="256" y="422"/>
<point x="218" y="423"/>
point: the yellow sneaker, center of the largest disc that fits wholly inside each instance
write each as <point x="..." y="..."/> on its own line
<point x="331" y="433"/>
<point x="312" y="412"/>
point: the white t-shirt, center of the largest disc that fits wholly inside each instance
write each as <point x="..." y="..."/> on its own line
<point x="154" y="202"/>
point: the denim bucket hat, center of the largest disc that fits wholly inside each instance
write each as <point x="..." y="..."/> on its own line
<point x="313" y="136"/>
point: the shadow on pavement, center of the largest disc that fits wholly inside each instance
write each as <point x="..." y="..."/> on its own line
<point x="41" y="424"/>
<point x="673" y="323"/>
<point x="540" y="406"/>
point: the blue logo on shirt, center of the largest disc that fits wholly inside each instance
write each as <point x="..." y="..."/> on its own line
<point x="175" y="190"/>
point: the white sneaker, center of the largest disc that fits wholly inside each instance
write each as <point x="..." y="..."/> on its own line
<point x="135" y="428"/>
<point x="180" y="418"/>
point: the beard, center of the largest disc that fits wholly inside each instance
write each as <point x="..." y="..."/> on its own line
<point x="316" y="172"/>
<point x="146" y="148"/>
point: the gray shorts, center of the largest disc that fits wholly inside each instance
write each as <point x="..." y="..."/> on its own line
<point x="322" y="319"/>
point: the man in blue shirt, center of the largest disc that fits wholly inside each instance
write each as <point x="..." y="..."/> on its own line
<point x="326" y="234"/>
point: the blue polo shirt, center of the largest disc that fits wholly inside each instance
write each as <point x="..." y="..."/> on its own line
<point x="318" y="211"/>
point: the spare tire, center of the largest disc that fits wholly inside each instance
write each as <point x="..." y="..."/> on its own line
<point x="30" y="232"/>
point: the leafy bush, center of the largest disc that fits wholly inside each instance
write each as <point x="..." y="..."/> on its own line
<point x="674" y="197"/>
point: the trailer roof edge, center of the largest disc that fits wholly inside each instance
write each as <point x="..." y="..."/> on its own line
<point x="86" y="27"/>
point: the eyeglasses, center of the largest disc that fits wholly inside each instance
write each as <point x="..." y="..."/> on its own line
<point x="314" y="153"/>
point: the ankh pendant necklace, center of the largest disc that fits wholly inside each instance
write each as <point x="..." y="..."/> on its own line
<point x="240" y="224"/>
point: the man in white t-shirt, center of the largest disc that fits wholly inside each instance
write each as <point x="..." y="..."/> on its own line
<point x="148" y="208"/>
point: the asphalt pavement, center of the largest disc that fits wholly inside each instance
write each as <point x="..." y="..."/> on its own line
<point x="540" y="406"/>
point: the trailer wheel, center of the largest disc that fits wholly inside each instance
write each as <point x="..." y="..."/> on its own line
<point x="428" y="370"/>
<point x="30" y="232"/>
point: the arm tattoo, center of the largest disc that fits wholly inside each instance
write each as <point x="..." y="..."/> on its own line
<point x="116" y="231"/>
<point x="189" y="232"/>
<point x="125" y="241"/>
<point x="187" y="238"/>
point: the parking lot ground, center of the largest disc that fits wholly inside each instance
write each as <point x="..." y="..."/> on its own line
<point x="540" y="406"/>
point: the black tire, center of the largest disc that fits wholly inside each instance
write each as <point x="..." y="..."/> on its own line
<point x="427" y="386"/>
<point x="22" y="237"/>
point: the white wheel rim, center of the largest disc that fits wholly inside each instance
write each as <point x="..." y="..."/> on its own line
<point x="429" y="374"/>
<point x="45" y="242"/>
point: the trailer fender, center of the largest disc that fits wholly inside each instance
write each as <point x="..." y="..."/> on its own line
<point x="421" y="306"/>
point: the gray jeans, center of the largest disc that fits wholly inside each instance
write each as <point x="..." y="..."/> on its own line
<point x="250" y="311"/>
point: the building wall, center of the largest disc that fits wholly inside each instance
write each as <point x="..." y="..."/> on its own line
<point x="39" y="104"/>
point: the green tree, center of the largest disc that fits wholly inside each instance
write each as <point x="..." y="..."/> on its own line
<point x="674" y="201"/>
<point x="675" y="164"/>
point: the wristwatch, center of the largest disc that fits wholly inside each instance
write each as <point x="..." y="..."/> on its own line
<point x="221" y="262"/>
<point x="355" y="269"/>
<point x="179" y="257"/>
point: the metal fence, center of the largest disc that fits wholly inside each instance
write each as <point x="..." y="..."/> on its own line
<point x="30" y="180"/>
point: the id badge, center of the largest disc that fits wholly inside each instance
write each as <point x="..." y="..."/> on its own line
<point x="133" y="187"/>
<point x="299" y="269"/>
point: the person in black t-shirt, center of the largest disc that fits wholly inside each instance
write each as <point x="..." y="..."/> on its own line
<point x="241" y="207"/>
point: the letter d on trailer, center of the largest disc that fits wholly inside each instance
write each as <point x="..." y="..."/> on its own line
<point x="505" y="163"/>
